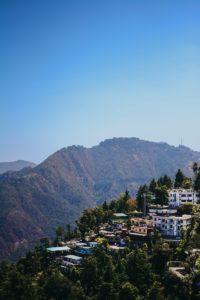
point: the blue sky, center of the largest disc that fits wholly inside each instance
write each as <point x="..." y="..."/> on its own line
<point x="80" y="71"/>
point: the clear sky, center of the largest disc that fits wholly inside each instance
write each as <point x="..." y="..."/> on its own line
<point x="80" y="71"/>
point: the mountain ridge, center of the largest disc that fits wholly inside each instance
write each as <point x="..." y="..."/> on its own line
<point x="35" y="201"/>
<point x="16" y="165"/>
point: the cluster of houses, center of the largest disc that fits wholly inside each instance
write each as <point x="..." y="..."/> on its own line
<point x="166" y="219"/>
<point x="139" y="227"/>
<point x="76" y="250"/>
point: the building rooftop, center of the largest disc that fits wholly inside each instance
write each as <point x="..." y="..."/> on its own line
<point x="178" y="271"/>
<point x="74" y="257"/>
<point x="180" y="190"/>
<point x="120" y="215"/>
<point x="185" y="217"/>
<point x="114" y="247"/>
<point x="80" y="244"/>
<point x="138" y="234"/>
<point x="58" y="249"/>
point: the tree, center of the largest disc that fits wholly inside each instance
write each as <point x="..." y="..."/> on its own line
<point x="112" y="205"/>
<point x="187" y="183"/>
<point x="185" y="209"/>
<point x="142" y="191"/>
<point x="139" y="270"/>
<point x="122" y="202"/>
<point x="177" y="288"/>
<point x="69" y="233"/>
<point x="77" y="292"/>
<point x="109" y="271"/>
<point x="99" y="217"/>
<point x="161" y="195"/>
<point x="156" y="291"/>
<point x="105" y="206"/>
<point x="44" y="242"/>
<point x="195" y="168"/>
<point x="56" y="287"/>
<point x="106" y="291"/>
<point x="165" y="180"/>
<point x="90" y="275"/>
<point x="131" y="204"/>
<point x="179" y="179"/>
<point x="16" y="286"/>
<point x="197" y="182"/>
<point x="152" y="186"/>
<point x="129" y="292"/>
<point x="86" y="222"/>
<point x="60" y="232"/>
<point x="161" y="253"/>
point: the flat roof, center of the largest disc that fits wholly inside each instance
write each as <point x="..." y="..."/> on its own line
<point x="120" y="215"/>
<point x="56" y="249"/>
<point x="114" y="247"/>
<point x="81" y="244"/>
<point x="74" y="257"/>
<point x="183" y="217"/>
<point x="138" y="234"/>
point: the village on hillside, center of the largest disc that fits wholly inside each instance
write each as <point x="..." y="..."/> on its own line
<point x="135" y="229"/>
<point x="145" y="247"/>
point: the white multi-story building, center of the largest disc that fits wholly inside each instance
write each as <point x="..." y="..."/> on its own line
<point x="172" y="226"/>
<point x="178" y="197"/>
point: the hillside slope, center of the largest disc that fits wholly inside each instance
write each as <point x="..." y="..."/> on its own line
<point x="35" y="201"/>
<point x="15" y="165"/>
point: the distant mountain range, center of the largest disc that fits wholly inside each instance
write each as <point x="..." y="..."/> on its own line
<point x="15" y="165"/>
<point x="34" y="201"/>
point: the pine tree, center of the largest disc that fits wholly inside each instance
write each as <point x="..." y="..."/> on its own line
<point x="179" y="179"/>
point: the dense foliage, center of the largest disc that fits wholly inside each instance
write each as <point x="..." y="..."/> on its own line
<point x="134" y="273"/>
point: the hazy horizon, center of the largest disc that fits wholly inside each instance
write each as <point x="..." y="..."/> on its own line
<point x="79" y="72"/>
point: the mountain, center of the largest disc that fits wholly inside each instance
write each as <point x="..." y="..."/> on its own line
<point x="35" y="201"/>
<point x="15" y="165"/>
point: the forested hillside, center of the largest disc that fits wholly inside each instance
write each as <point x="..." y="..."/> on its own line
<point x="35" y="201"/>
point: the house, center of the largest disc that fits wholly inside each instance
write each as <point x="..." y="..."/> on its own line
<point x="83" y="250"/>
<point x="58" y="249"/>
<point x="178" y="197"/>
<point x="71" y="261"/>
<point x="172" y="226"/>
<point x="141" y="227"/>
<point x="93" y="244"/>
<point x="119" y="217"/>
